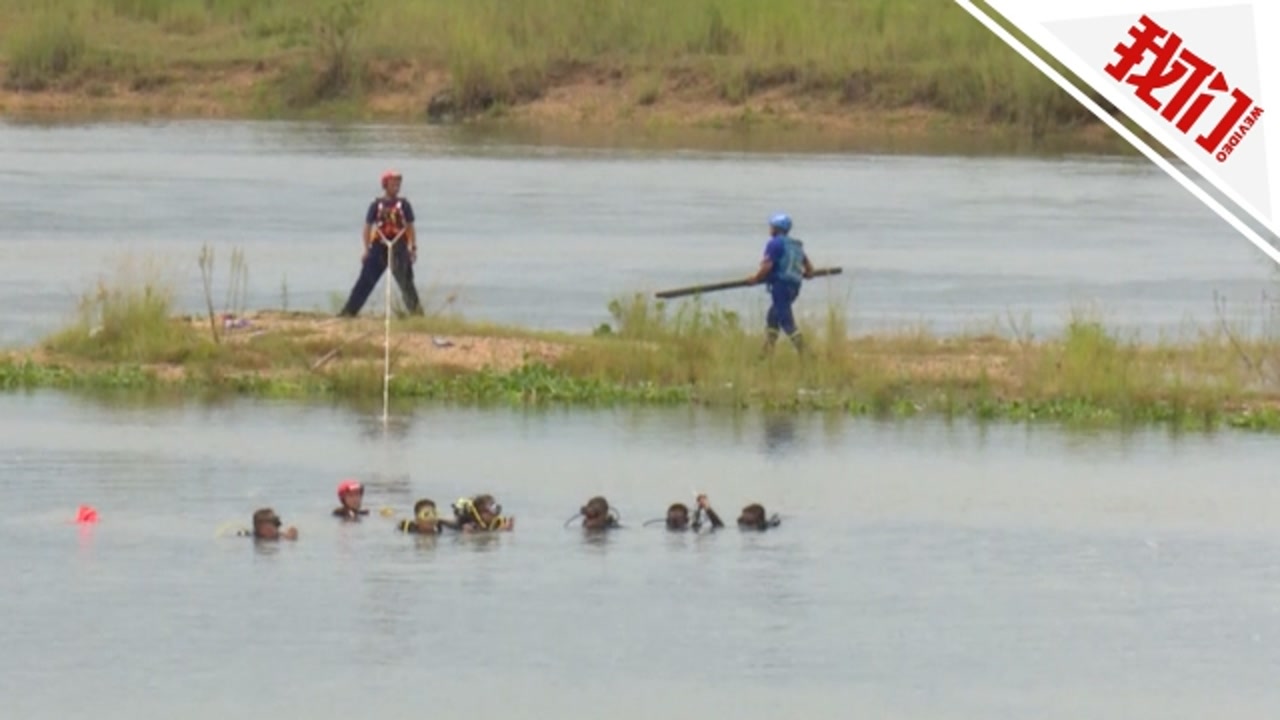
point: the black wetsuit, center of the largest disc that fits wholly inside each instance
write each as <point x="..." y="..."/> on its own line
<point x="769" y="523"/>
<point x="608" y="523"/>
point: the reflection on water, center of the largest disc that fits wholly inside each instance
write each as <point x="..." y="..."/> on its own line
<point x="779" y="432"/>
<point x="398" y="487"/>
<point x="395" y="427"/>
<point x="322" y="137"/>
<point x="767" y="139"/>
<point x="923" y="570"/>
<point x="267" y="549"/>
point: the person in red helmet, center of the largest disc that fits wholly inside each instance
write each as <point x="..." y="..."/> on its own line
<point x="389" y="217"/>
<point x="351" y="497"/>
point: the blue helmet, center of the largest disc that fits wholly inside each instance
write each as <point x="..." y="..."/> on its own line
<point x="781" y="221"/>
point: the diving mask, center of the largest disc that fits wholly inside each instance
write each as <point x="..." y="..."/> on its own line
<point x="468" y="509"/>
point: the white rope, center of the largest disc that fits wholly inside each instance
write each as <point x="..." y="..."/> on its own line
<point x="386" y="337"/>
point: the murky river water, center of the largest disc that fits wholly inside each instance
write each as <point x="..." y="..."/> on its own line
<point x="545" y="237"/>
<point x="922" y="571"/>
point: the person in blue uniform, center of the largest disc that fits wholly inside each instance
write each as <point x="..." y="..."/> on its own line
<point x="784" y="267"/>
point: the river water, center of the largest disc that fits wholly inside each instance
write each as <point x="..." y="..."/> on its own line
<point x="546" y="237"/>
<point x="923" y="570"/>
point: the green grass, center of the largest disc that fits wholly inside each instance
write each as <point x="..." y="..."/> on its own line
<point x="125" y="337"/>
<point x="48" y="47"/>
<point x="877" y="53"/>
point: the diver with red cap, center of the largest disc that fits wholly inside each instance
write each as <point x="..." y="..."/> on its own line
<point x="389" y="219"/>
<point x="351" y="497"/>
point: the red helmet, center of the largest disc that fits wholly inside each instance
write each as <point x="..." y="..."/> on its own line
<point x="390" y="175"/>
<point x="349" y="486"/>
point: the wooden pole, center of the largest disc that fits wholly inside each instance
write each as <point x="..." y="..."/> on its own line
<point x="729" y="285"/>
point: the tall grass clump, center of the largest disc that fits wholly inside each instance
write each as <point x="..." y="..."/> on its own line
<point x="187" y="15"/>
<point x="337" y="64"/>
<point x="712" y="351"/>
<point x="878" y="53"/>
<point x="658" y="352"/>
<point x="1087" y="370"/>
<point x="892" y="53"/>
<point x="130" y="319"/>
<point x="145" y="10"/>
<point x="1093" y="366"/>
<point x="1253" y="341"/>
<point x="48" y="47"/>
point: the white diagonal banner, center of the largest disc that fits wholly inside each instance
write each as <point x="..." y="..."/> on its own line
<point x="1193" y="74"/>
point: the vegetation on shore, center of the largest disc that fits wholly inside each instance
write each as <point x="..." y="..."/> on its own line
<point x="440" y="58"/>
<point x="127" y="337"/>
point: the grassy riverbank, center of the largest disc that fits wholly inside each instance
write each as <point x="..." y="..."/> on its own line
<point x="128" y="338"/>
<point x="848" y="66"/>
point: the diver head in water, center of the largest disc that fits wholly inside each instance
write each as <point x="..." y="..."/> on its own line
<point x="678" y="516"/>
<point x="678" y="520"/>
<point x="481" y="513"/>
<point x="266" y="526"/>
<point x="753" y="517"/>
<point x="597" y="515"/>
<point x="351" y="499"/>
<point x="425" y="519"/>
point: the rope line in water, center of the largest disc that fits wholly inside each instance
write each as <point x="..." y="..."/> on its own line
<point x="388" y="277"/>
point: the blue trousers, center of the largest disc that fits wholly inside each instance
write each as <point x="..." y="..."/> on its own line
<point x="780" y="316"/>
<point x="375" y="264"/>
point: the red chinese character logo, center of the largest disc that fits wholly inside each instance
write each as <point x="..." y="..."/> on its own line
<point x="1173" y="63"/>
